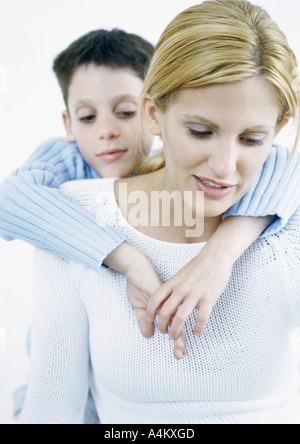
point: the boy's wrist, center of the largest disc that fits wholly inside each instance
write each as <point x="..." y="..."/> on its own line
<point x="237" y="233"/>
<point x="220" y="245"/>
<point x="122" y="258"/>
<point x="216" y="253"/>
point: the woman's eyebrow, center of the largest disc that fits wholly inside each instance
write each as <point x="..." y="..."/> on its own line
<point x="201" y="120"/>
<point x="265" y="129"/>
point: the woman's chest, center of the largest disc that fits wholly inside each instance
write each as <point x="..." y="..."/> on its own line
<point x="243" y="352"/>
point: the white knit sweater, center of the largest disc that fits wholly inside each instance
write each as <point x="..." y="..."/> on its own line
<point x="240" y="371"/>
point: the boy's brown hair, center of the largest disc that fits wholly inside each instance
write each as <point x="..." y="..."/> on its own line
<point x="115" y="49"/>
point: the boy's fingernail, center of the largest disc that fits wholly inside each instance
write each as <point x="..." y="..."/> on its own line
<point x="149" y="319"/>
<point x="171" y="337"/>
<point x="178" y="355"/>
<point x="180" y="343"/>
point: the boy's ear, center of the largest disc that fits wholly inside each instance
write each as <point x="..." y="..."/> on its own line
<point x="151" y="116"/>
<point x="68" y="127"/>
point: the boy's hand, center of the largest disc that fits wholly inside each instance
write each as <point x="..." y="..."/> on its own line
<point x="139" y="300"/>
<point x="143" y="281"/>
<point x="197" y="286"/>
<point x="200" y="283"/>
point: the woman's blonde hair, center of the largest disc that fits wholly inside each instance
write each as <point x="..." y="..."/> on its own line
<point x="217" y="42"/>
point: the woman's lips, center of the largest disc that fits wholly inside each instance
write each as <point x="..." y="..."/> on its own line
<point x="212" y="188"/>
<point x="111" y="156"/>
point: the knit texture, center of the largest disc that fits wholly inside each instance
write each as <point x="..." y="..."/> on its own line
<point x="241" y="370"/>
<point x="35" y="210"/>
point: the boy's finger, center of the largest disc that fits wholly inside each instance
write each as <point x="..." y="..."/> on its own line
<point x="146" y="327"/>
<point x="180" y="346"/>
<point x="169" y="310"/>
<point x="156" y="300"/>
<point x="181" y="316"/>
<point x="202" y="319"/>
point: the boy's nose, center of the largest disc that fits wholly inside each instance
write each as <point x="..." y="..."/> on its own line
<point x="108" y="130"/>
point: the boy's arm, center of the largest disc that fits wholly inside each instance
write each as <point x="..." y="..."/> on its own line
<point x="276" y="190"/>
<point x="200" y="284"/>
<point x="33" y="209"/>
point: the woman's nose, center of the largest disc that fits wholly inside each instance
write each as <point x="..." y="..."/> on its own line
<point x="223" y="160"/>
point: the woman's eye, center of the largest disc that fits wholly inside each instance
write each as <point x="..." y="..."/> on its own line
<point x="252" y="142"/>
<point x="200" y="134"/>
<point x="87" y="119"/>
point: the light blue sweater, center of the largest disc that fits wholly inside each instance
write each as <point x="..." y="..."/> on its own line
<point x="33" y="209"/>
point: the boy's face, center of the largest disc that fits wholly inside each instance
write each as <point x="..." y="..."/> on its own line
<point x="103" y="119"/>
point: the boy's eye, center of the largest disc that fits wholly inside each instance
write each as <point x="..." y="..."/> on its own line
<point x="126" y="114"/>
<point x="87" y="119"/>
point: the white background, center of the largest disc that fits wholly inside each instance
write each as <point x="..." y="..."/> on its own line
<point x="32" y="32"/>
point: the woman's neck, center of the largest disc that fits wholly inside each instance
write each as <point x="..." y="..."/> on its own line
<point x="151" y="205"/>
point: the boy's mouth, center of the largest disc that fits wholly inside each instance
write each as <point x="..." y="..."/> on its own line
<point x="111" y="155"/>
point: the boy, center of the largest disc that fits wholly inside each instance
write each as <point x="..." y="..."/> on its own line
<point x="101" y="76"/>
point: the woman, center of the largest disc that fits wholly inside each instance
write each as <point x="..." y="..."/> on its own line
<point x="218" y="91"/>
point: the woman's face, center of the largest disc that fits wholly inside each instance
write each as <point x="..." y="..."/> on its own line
<point x="217" y="138"/>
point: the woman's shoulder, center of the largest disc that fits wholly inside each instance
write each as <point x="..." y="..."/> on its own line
<point x="288" y="239"/>
<point x="89" y="185"/>
<point x="56" y="271"/>
<point x="294" y="222"/>
<point x="90" y="194"/>
<point x="292" y="230"/>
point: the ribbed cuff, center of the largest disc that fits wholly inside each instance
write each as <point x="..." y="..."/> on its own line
<point x="275" y="192"/>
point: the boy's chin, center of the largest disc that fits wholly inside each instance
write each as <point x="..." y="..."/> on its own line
<point x="115" y="171"/>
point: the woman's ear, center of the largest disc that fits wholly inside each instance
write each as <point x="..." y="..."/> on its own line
<point x="282" y="123"/>
<point x="68" y="127"/>
<point x="151" y="117"/>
